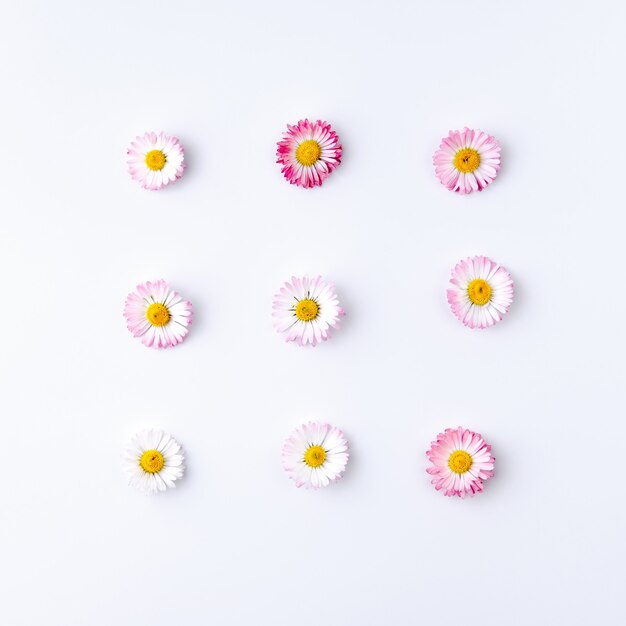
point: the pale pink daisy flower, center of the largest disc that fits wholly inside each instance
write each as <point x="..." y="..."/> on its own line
<point x="306" y="309"/>
<point x="154" y="461"/>
<point x="461" y="462"/>
<point x="481" y="292"/>
<point x="158" y="315"/>
<point x="308" y="152"/>
<point x="467" y="160"/>
<point x="315" y="455"/>
<point x="156" y="160"/>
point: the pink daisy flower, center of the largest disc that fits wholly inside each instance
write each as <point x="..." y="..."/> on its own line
<point x="156" y="160"/>
<point x="158" y="315"/>
<point x="308" y="153"/>
<point x="467" y="160"/>
<point x="306" y="309"/>
<point x="461" y="462"/>
<point x="481" y="292"/>
<point x="315" y="455"/>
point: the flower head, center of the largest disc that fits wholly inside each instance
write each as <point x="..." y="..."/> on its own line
<point x="481" y="292"/>
<point x="315" y="455"/>
<point x="158" y="315"/>
<point x="156" y="160"/>
<point x="153" y="461"/>
<point x="308" y="153"/>
<point x="461" y="462"/>
<point x="306" y="309"/>
<point x="467" y="160"/>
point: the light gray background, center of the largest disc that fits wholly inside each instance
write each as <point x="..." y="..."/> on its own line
<point x="236" y="543"/>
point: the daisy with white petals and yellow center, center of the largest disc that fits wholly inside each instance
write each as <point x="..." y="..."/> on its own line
<point x="481" y="292"/>
<point x="156" y="160"/>
<point x="158" y="315"/>
<point x="154" y="461"/>
<point x="315" y="455"/>
<point x="306" y="309"/>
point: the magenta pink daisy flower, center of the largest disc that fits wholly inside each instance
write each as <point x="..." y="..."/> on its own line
<point x="467" y="160"/>
<point x="461" y="462"/>
<point x="481" y="292"/>
<point x="308" y="153"/>
<point x="158" y="315"/>
<point x="156" y="160"/>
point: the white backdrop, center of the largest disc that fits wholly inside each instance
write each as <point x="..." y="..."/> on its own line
<point x="237" y="543"/>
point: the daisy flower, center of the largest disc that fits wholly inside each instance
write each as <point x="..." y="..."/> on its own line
<point x="154" y="461"/>
<point x="308" y="153"/>
<point x="481" y="292"/>
<point x="157" y="315"/>
<point x="156" y="160"/>
<point x="315" y="455"/>
<point x="467" y="160"/>
<point x="461" y="462"/>
<point x="306" y="309"/>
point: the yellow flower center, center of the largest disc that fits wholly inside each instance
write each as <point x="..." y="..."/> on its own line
<point x="479" y="291"/>
<point x="460" y="461"/>
<point x="152" y="461"/>
<point x="308" y="152"/>
<point x="466" y="160"/>
<point x="307" y="310"/>
<point x="315" y="456"/>
<point x="155" y="160"/>
<point x="158" y="314"/>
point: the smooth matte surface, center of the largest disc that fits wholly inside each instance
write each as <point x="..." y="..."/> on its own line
<point x="236" y="543"/>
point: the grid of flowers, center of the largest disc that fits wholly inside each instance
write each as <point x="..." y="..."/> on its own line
<point x="306" y="310"/>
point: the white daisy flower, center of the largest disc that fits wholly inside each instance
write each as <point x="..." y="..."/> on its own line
<point x="158" y="315"/>
<point x="315" y="455"/>
<point x="481" y="292"/>
<point x="154" y="461"/>
<point x="156" y="160"/>
<point x="306" y="309"/>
